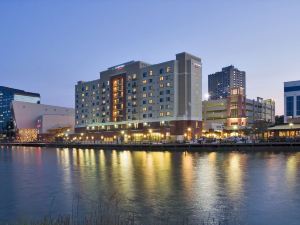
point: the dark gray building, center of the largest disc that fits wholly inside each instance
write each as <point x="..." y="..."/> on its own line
<point x="220" y="83"/>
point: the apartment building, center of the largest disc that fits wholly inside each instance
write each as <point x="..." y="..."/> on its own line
<point x="221" y="83"/>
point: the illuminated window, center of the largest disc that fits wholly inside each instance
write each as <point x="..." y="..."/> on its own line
<point x="168" y="84"/>
<point x="144" y="95"/>
<point x="161" y="85"/>
<point x="144" y="81"/>
<point x="161" y="114"/>
<point x="150" y="72"/>
<point x="150" y="101"/>
<point x="161" y="78"/>
<point x="168" y="69"/>
<point x="168" y="113"/>
<point x="144" y="109"/>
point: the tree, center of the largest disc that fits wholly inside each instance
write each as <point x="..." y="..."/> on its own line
<point x="279" y="120"/>
<point x="260" y="127"/>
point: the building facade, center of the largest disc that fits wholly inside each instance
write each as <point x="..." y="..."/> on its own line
<point x="292" y="102"/>
<point x="36" y="121"/>
<point x="136" y="97"/>
<point x="7" y="96"/>
<point x="220" y="83"/>
<point x="237" y="112"/>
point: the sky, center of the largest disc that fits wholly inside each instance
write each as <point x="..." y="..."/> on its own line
<point x="47" y="46"/>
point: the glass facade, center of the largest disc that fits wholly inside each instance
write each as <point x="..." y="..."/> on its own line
<point x="7" y="95"/>
<point x="290" y="106"/>
<point x="298" y="106"/>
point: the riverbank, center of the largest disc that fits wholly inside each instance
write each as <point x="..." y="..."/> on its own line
<point x="268" y="146"/>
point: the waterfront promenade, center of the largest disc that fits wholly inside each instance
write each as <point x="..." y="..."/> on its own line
<point x="266" y="146"/>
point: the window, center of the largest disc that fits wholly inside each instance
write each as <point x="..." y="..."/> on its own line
<point x="161" y="71"/>
<point x="161" y="78"/>
<point x="168" y="69"/>
<point x="290" y="106"/>
<point x="150" y="72"/>
<point x="144" y="81"/>
<point x="144" y="88"/>
<point x="168" y="91"/>
<point x="145" y="74"/>
<point x="298" y="106"/>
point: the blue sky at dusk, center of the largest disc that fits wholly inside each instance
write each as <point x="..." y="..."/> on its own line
<point x="47" y="46"/>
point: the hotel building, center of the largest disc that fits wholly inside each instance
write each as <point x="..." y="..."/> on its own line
<point x="7" y="96"/>
<point x="138" y="101"/>
<point x="221" y="83"/>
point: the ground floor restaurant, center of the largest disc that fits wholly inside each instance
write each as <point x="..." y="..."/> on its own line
<point x="285" y="130"/>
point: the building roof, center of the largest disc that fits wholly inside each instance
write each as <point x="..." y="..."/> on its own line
<point x="285" y="127"/>
<point x="20" y="92"/>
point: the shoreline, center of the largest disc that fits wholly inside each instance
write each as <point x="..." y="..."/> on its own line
<point x="257" y="147"/>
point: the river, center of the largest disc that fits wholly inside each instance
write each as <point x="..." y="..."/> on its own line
<point x="226" y="187"/>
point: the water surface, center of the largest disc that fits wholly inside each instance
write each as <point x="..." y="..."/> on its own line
<point x="231" y="187"/>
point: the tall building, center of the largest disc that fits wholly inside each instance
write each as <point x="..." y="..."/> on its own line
<point x="220" y="83"/>
<point x="7" y="96"/>
<point x="292" y="102"/>
<point x="137" y="98"/>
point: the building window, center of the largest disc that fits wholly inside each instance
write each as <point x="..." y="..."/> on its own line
<point x="145" y="74"/>
<point x="161" y="71"/>
<point x="298" y="106"/>
<point x="290" y="106"/>
<point x="161" y="78"/>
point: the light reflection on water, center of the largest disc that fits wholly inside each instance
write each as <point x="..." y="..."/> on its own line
<point x="251" y="188"/>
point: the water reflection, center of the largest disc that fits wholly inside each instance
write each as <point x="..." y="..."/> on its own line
<point x="179" y="184"/>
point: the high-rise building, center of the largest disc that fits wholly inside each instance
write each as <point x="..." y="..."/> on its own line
<point x="160" y="100"/>
<point x="7" y="96"/>
<point x="220" y="83"/>
<point x="292" y="102"/>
